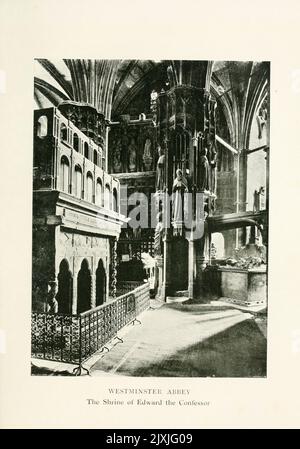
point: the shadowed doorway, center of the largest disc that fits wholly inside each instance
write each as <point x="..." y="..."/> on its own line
<point x="100" y="284"/>
<point x="64" y="293"/>
<point x="84" y="288"/>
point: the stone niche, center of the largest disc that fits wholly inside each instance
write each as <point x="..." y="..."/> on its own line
<point x="132" y="146"/>
<point x="244" y="287"/>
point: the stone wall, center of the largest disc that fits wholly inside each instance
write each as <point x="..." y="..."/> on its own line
<point x="179" y="264"/>
<point x="54" y="245"/>
<point x="43" y="264"/>
<point x="234" y="284"/>
<point x="244" y="287"/>
<point x="74" y="247"/>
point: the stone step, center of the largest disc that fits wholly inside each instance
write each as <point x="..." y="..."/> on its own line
<point x="173" y="299"/>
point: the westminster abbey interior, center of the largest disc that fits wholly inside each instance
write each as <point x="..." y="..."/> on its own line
<point x="150" y="190"/>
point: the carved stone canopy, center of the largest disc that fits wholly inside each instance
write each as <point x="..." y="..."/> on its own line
<point x="86" y="118"/>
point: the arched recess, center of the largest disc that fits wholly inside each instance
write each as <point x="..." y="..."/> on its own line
<point x="115" y="200"/>
<point x="65" y="287"/>
<point x="217" y="245"/>
<point x="84" y="288"/>
<point x="63" y="132"/>
<point x="259" y="93"/>
<point x="76" y="142"/>
<point x="89" y="187"/>
<point x="107" y="197"/>
<point x="42" y="126"/>
<point x="86" y="150"/>
<point x="181" y="150"/>
<point x="78" y="181"/>
<point x="100" y="284"/>
<point x="64" y="174"/>
<point x="224" y="106"/>
<point x="101" y="164"/>
<point x="95" y="157"/>
<point x="99" y="192"/>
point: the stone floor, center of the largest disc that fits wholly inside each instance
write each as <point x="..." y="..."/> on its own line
<point x="178" y="340"/>
<point x="189" y="341"/>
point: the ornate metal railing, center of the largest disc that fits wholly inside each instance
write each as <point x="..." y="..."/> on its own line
<point x="74" y="338"/>
<point x="55" y="336"/>
<point x="127" y="286"/>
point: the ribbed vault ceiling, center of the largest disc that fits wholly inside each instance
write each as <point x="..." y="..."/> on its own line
<point x="112" y="86"/>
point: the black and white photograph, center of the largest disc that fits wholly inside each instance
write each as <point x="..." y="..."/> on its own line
<point x="150" y="218"/>
<point x="149" y="186"/>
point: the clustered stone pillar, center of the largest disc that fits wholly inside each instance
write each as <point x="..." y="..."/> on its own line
<point x="185" y="121"/>
<point x="74" y="298"/>
<point x="199" y="249"/>
<point x="200" y="263"/>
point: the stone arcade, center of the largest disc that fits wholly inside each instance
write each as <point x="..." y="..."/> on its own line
<point x="76" y="219"/>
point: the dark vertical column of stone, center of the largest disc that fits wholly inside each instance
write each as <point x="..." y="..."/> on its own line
<point x="43" y="265"/>
<point x="243" y="193"/>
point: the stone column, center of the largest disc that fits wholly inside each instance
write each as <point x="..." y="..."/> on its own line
<point x="74" y="296"/>
<point x="105" y="152"/>
<point x="192" y="269"/>
<point x="51" y="304"/>
<point x="113" y="263"/>
<point x="56" y="164"/>
<point x="159" y="279"/>
<point x="71" y="174"/>
<point x="200" y="266"/>
<point x="166" y="286"/>
<point x="201" y="257"/>
<point x="93" y="291"/>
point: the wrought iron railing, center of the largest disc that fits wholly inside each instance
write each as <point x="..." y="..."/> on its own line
<point x="127" y="286"/>
<point x="55" y="336"/>
<point x="74" y="338"/>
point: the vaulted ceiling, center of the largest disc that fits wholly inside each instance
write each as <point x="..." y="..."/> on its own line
<point x="116" y="87"/>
